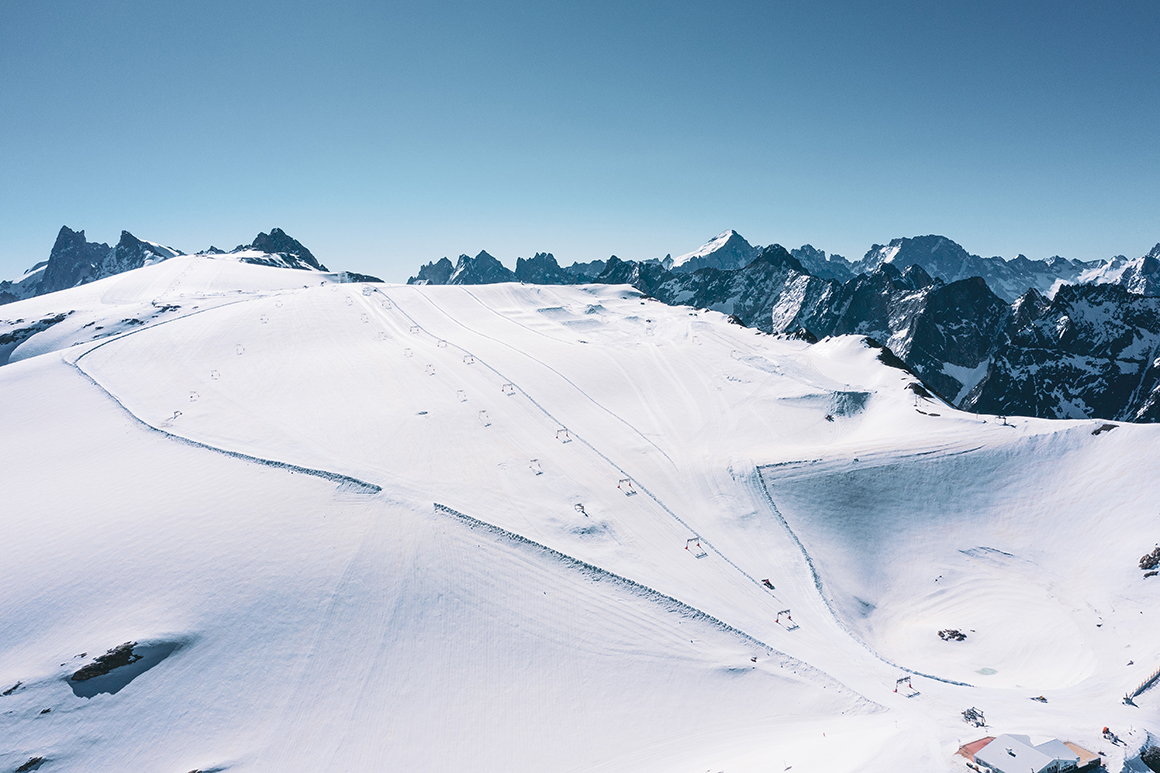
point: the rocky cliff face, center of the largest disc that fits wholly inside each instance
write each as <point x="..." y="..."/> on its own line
<point x="772" y="292"/>
<point x="818" y="264"/>
<point x="481" y="270"/>
<point x="75" y="261"/>
<point x="433" y="273"/>
<point x="277" y="249"/>
<point x="1093" y="351"/>
<point x="542" y="269"/>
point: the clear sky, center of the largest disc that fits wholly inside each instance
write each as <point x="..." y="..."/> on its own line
<point x="387" y="134"/>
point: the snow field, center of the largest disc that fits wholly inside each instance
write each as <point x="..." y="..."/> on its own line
<point x="322" y="628"/>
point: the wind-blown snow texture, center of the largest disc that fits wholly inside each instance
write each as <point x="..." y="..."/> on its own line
<point x="616" y="478"/>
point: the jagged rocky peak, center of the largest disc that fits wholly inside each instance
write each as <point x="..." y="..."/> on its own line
<point x="585" y="272"/>
<point x="916" y="277"/>
<point x="283" y="251"/>
<point x="542" y="269"/>
<point x="73" y="261"/>
<point x="1028" y="308"/>
<point x="433" y="273"/>
<point x="777" y="255"/>
<point x="939" y="255"/>
<point x="817" y="263"/>
<point x="481" y="270"/>
<point x="728" y="250"/>
<point x="131" y="252"/>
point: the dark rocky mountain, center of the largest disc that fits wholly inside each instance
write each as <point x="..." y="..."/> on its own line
<point x="542" y="269"/>
<point x="481" y="270"/>
<point x="817" y="263"/>
<point x="944" y="259"/>
<point x="76" y="261"/>
<point x="1089" y="352"/>
<point x="278" y="249"/>
<point x="584" y="272"/>
<point x="73" y="261"/>
<point x="433" y="273"/>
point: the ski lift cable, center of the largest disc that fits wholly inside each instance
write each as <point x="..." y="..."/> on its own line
<point x="706" y="544"/>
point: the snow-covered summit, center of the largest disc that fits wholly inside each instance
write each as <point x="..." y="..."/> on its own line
<point x="727" y="250"/>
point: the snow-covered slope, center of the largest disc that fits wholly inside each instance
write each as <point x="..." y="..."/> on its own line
<point x="1139" y="275"/>
<point x="365" y="527"/>
<point x="727" y="250"/>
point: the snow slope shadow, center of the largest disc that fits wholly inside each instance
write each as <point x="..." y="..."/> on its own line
<point x="666" y="602"/>
<point x="909" y="546"/>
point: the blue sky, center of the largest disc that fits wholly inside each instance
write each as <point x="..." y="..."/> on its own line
<point x="384" y="135"/>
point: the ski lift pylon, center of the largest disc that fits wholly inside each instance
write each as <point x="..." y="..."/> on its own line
<point x="563" y="436"/>
<point x="625" y="485"/>
<point x="693" y="544"/>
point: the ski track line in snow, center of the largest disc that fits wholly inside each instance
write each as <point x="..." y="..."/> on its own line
<point x="595" y="402"/>
<point x="825" y="600"/>
<point x="347" y="483"/>
<point x="865" y="460"/>
<point x="575" y="436"/>
<point x="669" y="603"/>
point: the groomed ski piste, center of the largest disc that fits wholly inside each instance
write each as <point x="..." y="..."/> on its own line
<point x="366" y="527"/>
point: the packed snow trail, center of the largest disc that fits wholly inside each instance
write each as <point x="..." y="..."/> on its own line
<point x="346" y="481"/>
<point x="577" y="436"/>
<point x="702" y="540"/>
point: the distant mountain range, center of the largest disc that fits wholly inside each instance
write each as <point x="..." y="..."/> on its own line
<point x="1053" y="338"/>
